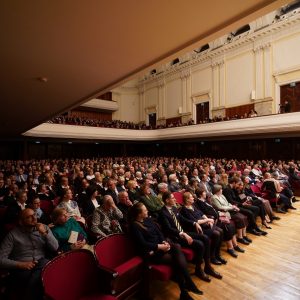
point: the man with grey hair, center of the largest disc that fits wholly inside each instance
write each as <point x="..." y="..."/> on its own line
<point x="23" y="253"/>
<point x="162" y="188"/>
<point x="105" y="220"/>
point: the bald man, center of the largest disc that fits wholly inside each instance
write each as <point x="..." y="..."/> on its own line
<point x="23" y="253"/>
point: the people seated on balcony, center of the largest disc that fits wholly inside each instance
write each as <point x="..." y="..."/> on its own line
<point x="24" y="253"/>
<point x="252" y="113"/>
<point x="106" y="218"/>
<point x="156" y="249"/>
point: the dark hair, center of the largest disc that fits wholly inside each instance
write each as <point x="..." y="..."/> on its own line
<point x="90" y="191"/>
<point x="133" y="213"/>
<point x="199" y="192"/>
<point x="165" y="196"/>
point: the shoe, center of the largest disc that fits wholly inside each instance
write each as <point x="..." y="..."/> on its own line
<point x="243" y="241"/>
<point x="281" y="211"/>
<point x="255" y="232"/>
<point x="292" y="207"/>
<point x="213" y="273"/>
<point x="195" y="290"/>
<point x="247" y="239"/>
<point x="200" y="274"/>
<point x="232" y="253"/>
<point x="275" y="218"/>
<point x="294" y="199"/>
<point x="222" y="260"/>
<point x="261" y="231"/>
<point x="238" y="249"/>
<point x="266" y="225"/>
<point x="184" y="295"/>
<point x="215" y="261"/>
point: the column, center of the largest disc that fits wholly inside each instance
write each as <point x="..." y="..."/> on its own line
<point x="161" y="99"/>
<point x="259" y="78"/>
<point x="267" y="71"/>
<point x="221" y="83"/>
<point x="216" y="85"/>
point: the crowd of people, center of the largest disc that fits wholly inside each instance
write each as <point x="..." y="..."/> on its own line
<point x="94" y="198"/>
<point x="84" y="121"/>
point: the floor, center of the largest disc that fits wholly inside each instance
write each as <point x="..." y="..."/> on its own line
<point x="269" y="269"/>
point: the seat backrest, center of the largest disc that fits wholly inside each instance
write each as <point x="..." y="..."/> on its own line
<point x="2" y="211"/>
<point x="255" y="189"/>
<point x="179" y="197"/>
<point x="47" y="207"/>
<point x="70" y="276"/>
<point x="113" y="250"/>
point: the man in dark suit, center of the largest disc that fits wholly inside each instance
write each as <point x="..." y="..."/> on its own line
<point x="246" y="209"/>
<point x="15" y="207"/>
<point x="112" y="190"/>
<point x="170" y="221"/>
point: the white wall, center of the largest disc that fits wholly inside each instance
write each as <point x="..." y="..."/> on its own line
<point x="226" y="76"/>
<point x="201" y="80"/>
<point x="239" y="79"/>
<point x="173" y="98"/>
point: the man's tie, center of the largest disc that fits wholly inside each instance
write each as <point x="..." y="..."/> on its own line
<point x="176" y="221"/>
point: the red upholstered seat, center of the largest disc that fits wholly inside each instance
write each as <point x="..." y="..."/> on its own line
<point x="160" y="272"/>
<point x="120" y="265"/>
<point x="47" y="207"/>
<point x="73" y="275"/>
<point x="188" y="253"/>
<point x="256" y="190"/>
<point x="95" y="297"/>
<point x="179" y="197"/>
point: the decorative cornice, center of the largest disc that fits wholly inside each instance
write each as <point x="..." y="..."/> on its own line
<point x="256" y="38"/>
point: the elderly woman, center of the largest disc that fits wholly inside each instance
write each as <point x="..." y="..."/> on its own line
<point x="67" y="231"/>
<point x="230" y="211"/>
<point x="228" y="227"/>
<point x="106" y="218"/>
<point x="154" y="247"/>
<point x="70" y="205"/>
<point x="207" y="226"/>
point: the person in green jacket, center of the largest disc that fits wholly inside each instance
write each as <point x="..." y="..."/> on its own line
<point x="69" y="234"/>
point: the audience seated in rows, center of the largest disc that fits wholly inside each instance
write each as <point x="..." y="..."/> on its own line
<point x="106" y="191"/>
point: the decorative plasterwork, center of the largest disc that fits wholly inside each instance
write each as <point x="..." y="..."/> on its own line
<point x="255" y="41"/>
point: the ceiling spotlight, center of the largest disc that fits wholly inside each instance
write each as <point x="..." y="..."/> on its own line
<point x="43" y="79"/>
